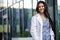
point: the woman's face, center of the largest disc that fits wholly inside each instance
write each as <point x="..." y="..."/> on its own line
<point x="41" y="8"/>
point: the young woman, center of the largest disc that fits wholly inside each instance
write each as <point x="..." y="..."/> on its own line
<point x="41" y="23"/>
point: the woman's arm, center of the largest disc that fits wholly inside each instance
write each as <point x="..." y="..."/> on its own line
<point x="33" y="29"/>
<point x="52" y="34"/>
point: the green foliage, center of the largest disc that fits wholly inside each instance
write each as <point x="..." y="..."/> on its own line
<point x="24" y="34"/>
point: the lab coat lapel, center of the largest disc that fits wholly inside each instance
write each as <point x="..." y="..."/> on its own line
<point x="39" y="19"/>
<point x="41" y="22"/>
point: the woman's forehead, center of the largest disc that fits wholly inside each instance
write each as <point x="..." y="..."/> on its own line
<point x="41" y="4"/>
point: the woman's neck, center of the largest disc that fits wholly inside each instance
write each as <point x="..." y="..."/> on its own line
<point x="43" y="16"/>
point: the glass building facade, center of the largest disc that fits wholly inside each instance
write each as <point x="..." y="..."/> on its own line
<point x="15" y="17"/>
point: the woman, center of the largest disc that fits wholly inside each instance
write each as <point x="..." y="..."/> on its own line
<point x="41" y="23"/>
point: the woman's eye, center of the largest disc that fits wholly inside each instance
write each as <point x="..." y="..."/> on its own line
<point x="41" y="6"/>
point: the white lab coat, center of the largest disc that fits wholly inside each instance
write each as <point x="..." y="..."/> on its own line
<point x="36" y="28"/>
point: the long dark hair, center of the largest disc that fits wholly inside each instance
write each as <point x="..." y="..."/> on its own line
<point x="46" y="13"/>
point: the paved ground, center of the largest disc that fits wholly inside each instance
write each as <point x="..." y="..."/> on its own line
<point x="28" y="38"/>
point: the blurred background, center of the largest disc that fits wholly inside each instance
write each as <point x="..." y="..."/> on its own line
<point x="15" y="18"/>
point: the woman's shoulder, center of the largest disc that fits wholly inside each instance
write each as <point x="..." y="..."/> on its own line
<point x="35" y="15"/>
